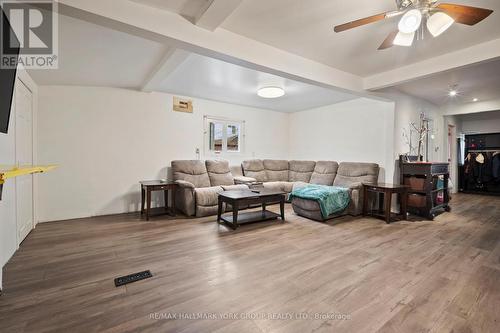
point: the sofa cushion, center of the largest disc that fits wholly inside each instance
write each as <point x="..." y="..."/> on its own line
<point x="207" y="196"/>
<point x="276" y="170"/>
<point x="192" y="171"/>
<point x="279" y="186"/>
<point x="324" y="173"/>
<point x="254" y="169"/>
<point x="353" y="172"/>
<point x="301" y="171"/>
<point x="219" y="173"/>
<point x="239" y="187"/>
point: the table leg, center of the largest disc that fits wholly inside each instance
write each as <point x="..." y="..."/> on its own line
<point x="219" y="210"/>
<point x="282" y="208"/>
<point x="165" y="194"/>
<point x="263" y="209"/>
<point x="365" y="201"/>
<point x="174" y="193"/>
<point x="404" y="204"/>
<point x="235" y="214"/>
<point x="143" y="199"/>
<point x="148" y="203"/>
<point x="388" y="204"/>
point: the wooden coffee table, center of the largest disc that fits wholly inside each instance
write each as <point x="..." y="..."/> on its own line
<point x="245" y="198"/>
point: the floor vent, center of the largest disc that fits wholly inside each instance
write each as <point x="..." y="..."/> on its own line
<point x="132" y="278"/>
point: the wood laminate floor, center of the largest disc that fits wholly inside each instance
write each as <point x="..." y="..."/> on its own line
<point x="298" y="276"/>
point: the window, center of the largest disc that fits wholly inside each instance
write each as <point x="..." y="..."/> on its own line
<point x="223" y="135"/>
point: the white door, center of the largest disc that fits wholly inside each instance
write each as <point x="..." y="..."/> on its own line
<point x="24" y="157"/>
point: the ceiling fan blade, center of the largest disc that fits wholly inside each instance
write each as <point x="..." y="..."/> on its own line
<point x="465" y="14"/>
<point x="363" y="21"/>
<point x="389" y="41"/>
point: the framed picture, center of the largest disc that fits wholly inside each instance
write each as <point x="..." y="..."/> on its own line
<point x="183" y="105"/>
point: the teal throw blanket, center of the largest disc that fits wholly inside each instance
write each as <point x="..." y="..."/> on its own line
<point x="331" y="199"/>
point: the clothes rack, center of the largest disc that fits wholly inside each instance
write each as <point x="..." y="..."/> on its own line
<point x="480" y="171"/>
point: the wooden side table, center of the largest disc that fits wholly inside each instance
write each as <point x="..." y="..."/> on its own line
<point x="157" y="185"/>
<point x="385" y="192"/>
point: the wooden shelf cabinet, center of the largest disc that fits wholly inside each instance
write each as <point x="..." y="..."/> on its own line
<point x="426" y="197"/>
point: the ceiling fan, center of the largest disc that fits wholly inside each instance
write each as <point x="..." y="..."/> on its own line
<point x="419" y="13"/>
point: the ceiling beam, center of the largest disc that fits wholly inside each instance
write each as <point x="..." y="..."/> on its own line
<point x="449" y="61"/>
<point x="216" y="13"/>
<point x="173" y="30"/>
<point x="483" y="106"/>
<point x="172" y="59"/>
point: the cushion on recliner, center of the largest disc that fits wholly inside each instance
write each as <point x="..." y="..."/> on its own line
<point x="353" y="172"/>
<point x="276" y="170"/>
<point x="279" y="186"/>
<point x="254" y="169"/>
<point x="301" y="171"/>
<point x="207" y="196"/>
<point x="219" y="173"/>
<point x="192" y="171"/>
<point x="324" y="173"/>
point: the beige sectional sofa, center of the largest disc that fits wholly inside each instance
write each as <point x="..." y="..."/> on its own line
<point x="285" y="175"/>
<point x="200" y="182"/>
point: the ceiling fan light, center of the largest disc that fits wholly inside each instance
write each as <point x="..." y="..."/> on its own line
<point x="403" y="39"/>
<point x="410" y="22"/>
<point x="439" y="23"/>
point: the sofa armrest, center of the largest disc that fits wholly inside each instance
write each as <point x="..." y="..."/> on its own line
<point x="356" y="185"/>
<point x="184" y="184"/>
<point x="244" y="180"/>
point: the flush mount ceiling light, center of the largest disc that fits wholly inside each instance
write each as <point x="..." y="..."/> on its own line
<point x="410" y="21"/>
<point x="475" y="100"/>
<point x="271" y="92"/>
<point x="439" y="23"/>
<point x="436" y="16"/>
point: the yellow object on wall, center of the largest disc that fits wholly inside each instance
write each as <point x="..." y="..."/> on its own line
<point x="6" y="173"/>
<point x="21" y="171"/>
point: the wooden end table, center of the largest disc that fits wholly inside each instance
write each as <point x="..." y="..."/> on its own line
<point x="385" y="192"/>
<point x="157" y="185"/>
<point x="246" y="198"/>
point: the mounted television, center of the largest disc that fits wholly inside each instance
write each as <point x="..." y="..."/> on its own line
<point x="7" y="75"/>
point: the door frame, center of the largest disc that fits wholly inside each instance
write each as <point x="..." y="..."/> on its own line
<point x="24" y="78"/>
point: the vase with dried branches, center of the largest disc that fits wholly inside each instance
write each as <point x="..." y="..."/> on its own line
<point x="421" y="131"/>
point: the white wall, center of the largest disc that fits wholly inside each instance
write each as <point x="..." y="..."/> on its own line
<point x="8" y="229"/>
<point x="359" y="130"/>
<point x="408" y="110"/>
<point x="106" y="140"/>
<point x="8" y="225"/>
<point x="484" y="122"/>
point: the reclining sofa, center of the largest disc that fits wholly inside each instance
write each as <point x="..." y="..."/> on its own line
<point x="200" y="182"/>
<point x="287" y="175"/>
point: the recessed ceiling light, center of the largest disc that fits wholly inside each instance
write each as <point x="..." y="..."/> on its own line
<point x="271" y="92"/>
<point x="475" y="100"/>
<point x="453" y="93"/>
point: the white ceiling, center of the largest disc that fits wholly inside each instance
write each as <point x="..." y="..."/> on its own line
<point x="91" y="55"/>
<point x="306" y="28"/>
<point x="208" y="78"/>
<point x="189" y="9"/>
<point x="480" y="81"/>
